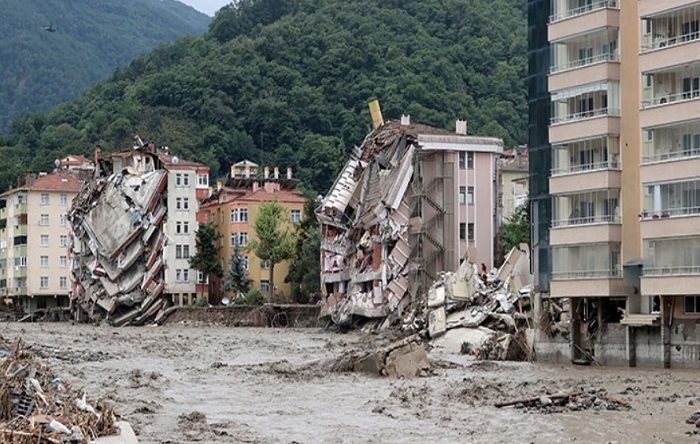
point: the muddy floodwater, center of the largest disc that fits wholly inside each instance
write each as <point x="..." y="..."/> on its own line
<point x="180" y="384"/>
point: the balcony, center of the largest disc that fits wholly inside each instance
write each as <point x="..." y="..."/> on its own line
<point x="586" y="270"/>
<point x="584" y="58"/>
<point x="660" y="226"/>
<point x="670" y="37"/>
<point x="652" y="8"/>
<point x="19" y="209"/>
<point x="605" y="231"/>
<point x="672" y="200"/>
<point x="670" y="96"/>
<point x="586" y="155"/>
<point x="578" y="16"/>
<point x="671" y="265"/>
<point x="586" y="208"/>
<point x="670" y="169"/>
<point x="579" y="112"/>
<point x="671" y="143"/>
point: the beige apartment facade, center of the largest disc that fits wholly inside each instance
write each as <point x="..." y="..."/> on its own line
<point x="34" y="242"/>
<point x="624" y="130"/>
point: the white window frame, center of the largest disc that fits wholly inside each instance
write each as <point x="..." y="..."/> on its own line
<point x="295" y="216"/>
<point x="44" y="261"/>
<point x="63" y="241"/>
<point x="63" y="262"/>
<point x="44" y="240"/>
<point x="63" y="220"/>
<point x="64" y="199"/>
<point x="203" y="180"/>
<point x="45" y="200"/>
<point x="63" y="282"/>
<point x="44" y="282"/>
<point x="44" y="220"/>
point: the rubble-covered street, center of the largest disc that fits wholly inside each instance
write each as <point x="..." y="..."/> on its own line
<point x="223" y="385"/>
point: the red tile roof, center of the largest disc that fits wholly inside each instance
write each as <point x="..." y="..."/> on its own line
<point x="59" y="181"/>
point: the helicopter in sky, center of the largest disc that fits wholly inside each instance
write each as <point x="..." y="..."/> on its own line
<point x="49" y="28"/>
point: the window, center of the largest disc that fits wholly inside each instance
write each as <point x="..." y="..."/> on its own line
<point x="44" y="220"/>
<point x="44" y="198"/>
<point x="44" y="240"/>
<point x="44" y="282"/>
<point x="64" y="261"/>
<point x="470" y="195"/>
<point x="21" y="261"/>
<point x="246" y="262"/>
<point x="178" y="275"/>
<point x="240" y="239"/>
<point x="178" y="251"/>
<point x="63" y="220"/>
<point x="185" y="203"/>
<point x="690" y="30"/>
<point x="203" y="180"/>
<point x="64" y="199"/>
<point x="63" y="282"/>
<point x="648" y="81"/>
<point x="182" y="227"/>
<point x="296" y="216"/>
<point x="185" y="251"/>
<point x="185" y="180"/>
<point x="692" y="304"/>
<point x="178" y="180"/>
<point x="201" y="278"/>
<point x="470" y="160"/>
<point x="462" y="160"/>
<point x="178" y="203"/>
<point x="239" y="215"/>
<point x="63" y="241"/>
<point x="265" y="286"/>
<point x="470" y="231"/>
<point x="462" y="231"/>
<point x="185" y="275"/>
<point x="648" y="136"/>
<point x="646" y="26"/>
<point x="265" y="265"/>
<point x="691" y="87"/>
<point x="462" y="195"/>
<point x="44" y="262"/>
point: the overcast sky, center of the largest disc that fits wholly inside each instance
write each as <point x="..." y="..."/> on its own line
<point x="208" y="7"/>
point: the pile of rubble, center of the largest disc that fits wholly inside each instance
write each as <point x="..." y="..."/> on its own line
<point x="484" y="315"/>
<point x="117" y="223"/>
<point x="586" y="399"/>
<point x="38" y="407"/>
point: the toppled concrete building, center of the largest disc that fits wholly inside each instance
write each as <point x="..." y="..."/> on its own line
<point x="124" y="239"/>
<point x="411" y="202"/>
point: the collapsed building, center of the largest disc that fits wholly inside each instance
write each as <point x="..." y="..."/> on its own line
<point x="412" y="201"/>
<point x="127" y="248"/>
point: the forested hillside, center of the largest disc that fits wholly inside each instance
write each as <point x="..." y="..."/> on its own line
<point x="52" y="50"/>
<point x="287" y="82"/>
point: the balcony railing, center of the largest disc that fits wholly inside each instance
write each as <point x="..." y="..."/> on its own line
<point x="671" y="98"/>
<point x="673" y="154"/>
<point x="600" y="58"/>
<point x="687" y="270"/>
<point x="584" y="10"/>
<point x="670" y="212"/>
<point x="585" y="115"/>
<point x="588" y="167"/>
<point x="586" y="274"/>
<point x="670" y="41"/>
<point x="603" y="219"/>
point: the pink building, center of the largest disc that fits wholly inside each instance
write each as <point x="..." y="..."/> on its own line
<point x="411" y="202"/>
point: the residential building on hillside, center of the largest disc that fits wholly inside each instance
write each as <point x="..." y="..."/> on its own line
<point x="234" y="207"/>
<point x="412" y="201"/>
<point x="34" y="235"/>
<point x="623" y="135"/>
<point x="513" y="171"/>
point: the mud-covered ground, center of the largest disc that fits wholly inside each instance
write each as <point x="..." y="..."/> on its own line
<point x="179" y="384"/>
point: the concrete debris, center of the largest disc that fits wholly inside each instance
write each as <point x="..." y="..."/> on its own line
<point x="590" y="398"/>
<point x="38" y="407"/>
<point x="117" y="242"/>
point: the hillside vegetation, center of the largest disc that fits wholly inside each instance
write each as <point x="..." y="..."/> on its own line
<point x="287" y="83"/>
<point x="41" y="69"/>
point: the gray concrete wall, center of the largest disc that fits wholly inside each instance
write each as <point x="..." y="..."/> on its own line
<point x="554" y="349"/>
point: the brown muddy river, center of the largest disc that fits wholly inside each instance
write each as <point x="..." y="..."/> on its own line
<point x="181" y="384"/>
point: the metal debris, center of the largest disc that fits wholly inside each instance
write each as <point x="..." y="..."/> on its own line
<point x="118" y="235"/>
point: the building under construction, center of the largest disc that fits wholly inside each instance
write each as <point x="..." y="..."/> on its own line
<point x="412" y="201"/>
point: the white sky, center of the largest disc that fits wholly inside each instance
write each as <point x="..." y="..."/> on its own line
<point x="208" y="7"/>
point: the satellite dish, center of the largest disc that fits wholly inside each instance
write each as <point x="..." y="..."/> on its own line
<point x="176" y="160"/>
<point x="57" y="163"/>
<point x="225" y="301"/>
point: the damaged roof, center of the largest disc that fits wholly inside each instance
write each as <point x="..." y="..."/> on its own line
<point x="57" y="181"/>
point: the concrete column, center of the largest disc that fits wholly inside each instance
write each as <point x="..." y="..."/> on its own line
<point x="665" y="334"/>
<point x="631" y="338"/>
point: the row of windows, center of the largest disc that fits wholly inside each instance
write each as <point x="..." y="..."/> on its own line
<point x="182" y="203"/>
<point x="466" y="195"/>
<point x="182" y="180"/>
<point x="466" y="160"/>
<point x="46" y="199"/>
<point x="239" y="239"/>
<point x="63" y="261"/>
<point x="240" y="215"/>
<point x="182" y="251"/>
<point x="44" y="220"/>
<point x="466" y="230"/>
<point x="182" y="227"/>
<point x="62" y="282"/>
<point x="63" y="240"/>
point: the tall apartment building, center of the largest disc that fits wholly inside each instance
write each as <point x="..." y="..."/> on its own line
<point x="234" y="207"/>
<point x="34" y="236"/>
<point x="623" y="83"/>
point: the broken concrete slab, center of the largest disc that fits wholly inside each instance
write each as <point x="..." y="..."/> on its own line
<point x="410" y="361"/>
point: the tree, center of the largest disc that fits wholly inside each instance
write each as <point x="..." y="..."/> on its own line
<point x="274" y="242"/>
<point x="305" y="270"/>
<point x="516" y="229"/>
<point x="206" y="259"/>
<point x="237" y="279"/>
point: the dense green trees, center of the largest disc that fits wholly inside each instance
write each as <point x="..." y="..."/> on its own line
<point x="42" y="69"/>
<point x="287" y="83"/>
